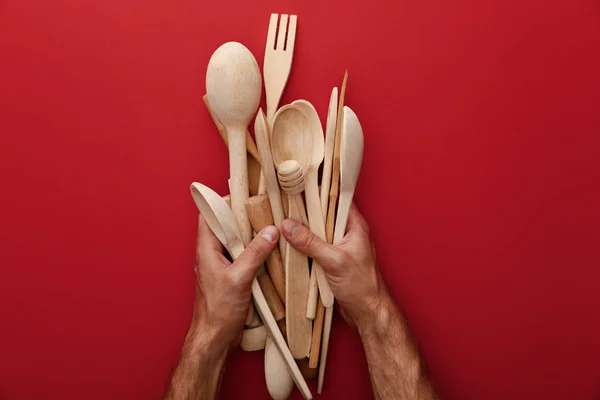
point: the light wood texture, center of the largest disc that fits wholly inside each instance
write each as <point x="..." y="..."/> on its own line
<point x="254" y="174"/>
<point x="255" y="321"/>
<point x="335" y="177"/>
<point x="286" y="204"/>
<point x="278" y="59"/>
<point x="250" y="145"/>
<point x="316" y="220"/>
<point x="299" y="328"/>
<point x="251" y="313"/>
<point x="351" y="155"/>
<point x="254" y="339"/>
<point x="273" y="300"/>
<point x="329" y="148"/>
<point x="279" y="381"/>
<point x="317" y="334"/>
<point x="263" y="141"/>
<point x="222" y="222"/>
<point x="313" y="295"/>
<point x="227" y="200"/>
<point x="259" y="211"/>
<point x="233" y="86"/>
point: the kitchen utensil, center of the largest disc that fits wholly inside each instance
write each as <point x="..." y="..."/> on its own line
<point x="233" y="86"/>
<point x="313" y="203"/>
<point x="351" y="154"/>
<point x="222" y="222"/>
<point x="279" y="381"/>
<point x="250" y="145"/>
<point x="278" y="60"/>
<point x="254" y="175"/>
<point x="263" y="141"/>
<point x="254" y="339"/>
<point x="292" y="153"/>
<point x="259" y="211"/>
<point x="329" y="148"/>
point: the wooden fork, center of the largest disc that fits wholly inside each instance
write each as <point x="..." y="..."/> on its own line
<point x="278" y="59"/>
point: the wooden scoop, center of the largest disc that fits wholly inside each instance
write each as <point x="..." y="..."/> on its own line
<point x="233" y="87"/>
<point x="351" y="154"/>
<point x="316" y="220"/>
<point x="222" y="222"/>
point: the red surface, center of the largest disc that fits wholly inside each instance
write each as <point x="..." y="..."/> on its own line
<point x="480" y="180"/>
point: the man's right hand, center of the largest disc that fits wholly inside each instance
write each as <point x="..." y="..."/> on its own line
<point x="349" y="265"/>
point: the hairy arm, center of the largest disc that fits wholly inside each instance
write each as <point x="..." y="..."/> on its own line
<point x="198" y="372"/>
<point x="395" y="367"/>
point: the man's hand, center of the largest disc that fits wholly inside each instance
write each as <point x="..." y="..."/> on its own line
<point x="349" y="265"/>
<point x="223" y="293"/>
<point x="224" y="289"/>
<point x="395" y="365"/>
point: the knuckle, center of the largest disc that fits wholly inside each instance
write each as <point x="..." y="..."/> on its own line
<point x="253" y="251"/>
<point x="307" y="240"/>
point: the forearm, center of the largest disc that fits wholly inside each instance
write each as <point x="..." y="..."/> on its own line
<point x="396" y="369"/>
<point x="198" y="372"/>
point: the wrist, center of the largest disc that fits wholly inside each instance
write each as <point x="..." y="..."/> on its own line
<point x="377" y="315"/>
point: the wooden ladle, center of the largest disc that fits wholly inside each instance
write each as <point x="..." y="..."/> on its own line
<point x="351" y="155"/>
<point x="316" y="220"/>
<point x="221" y="221"/>
<point x="233" y="87"/>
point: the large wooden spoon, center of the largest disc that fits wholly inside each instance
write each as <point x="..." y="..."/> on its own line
<point x="316" y="220"/>
<point x="233" y="86"/>
<point x="221" y="221"/>
<point x="351" y="154"/>
<point x="290" y="144"/>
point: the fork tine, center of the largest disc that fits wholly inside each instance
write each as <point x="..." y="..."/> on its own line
<point x="272" y="32"/>
<point x="291" y="34"/>
<point x="282" y="31"/>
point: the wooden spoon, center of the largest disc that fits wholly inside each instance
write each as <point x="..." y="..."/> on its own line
<point x="316" y="220"/>
<point x="221" y="221"/>
<point x="279" y="381"/>
<point x="233" y="86"/>
<point x="287" y="144"/>
<point x="351" y="154"/>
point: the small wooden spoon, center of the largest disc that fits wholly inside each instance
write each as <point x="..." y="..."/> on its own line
<point x="233" y="86"/>
<point x="221" y="221"/>
<point x="316" y="220"/>
<point x="279" y="381"/>
<point x="351" y="154"/>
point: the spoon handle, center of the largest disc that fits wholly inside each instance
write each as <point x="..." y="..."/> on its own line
<point x="238" y="170"/>
<point x="299" y="328"/>
<point x="317" y="225"/>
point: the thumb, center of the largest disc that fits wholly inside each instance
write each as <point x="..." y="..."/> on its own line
<point x="254" y="256"/>
<point x="302" y="239"/>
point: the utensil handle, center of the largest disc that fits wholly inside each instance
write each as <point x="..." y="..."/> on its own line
<point x="317" y="225"/>
<point x="238" y="170"/>
<point x="275" y="333"/>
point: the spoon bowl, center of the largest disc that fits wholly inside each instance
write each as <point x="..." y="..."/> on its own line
<point x="315" y="131"/>
<point x="289" y="140"/>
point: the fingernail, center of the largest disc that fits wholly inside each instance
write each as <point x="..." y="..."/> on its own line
<point x="290" y="227"/>
<point x="269" y="233"/>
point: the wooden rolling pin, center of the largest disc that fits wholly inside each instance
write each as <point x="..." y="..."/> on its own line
<point x="259" y="211"/>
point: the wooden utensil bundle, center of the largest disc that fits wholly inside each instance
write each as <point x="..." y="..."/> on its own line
<point x="293" y="300"/>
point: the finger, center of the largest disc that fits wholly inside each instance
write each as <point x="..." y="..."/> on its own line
<point x="254" y="256"/>
<point x="207" y="244"/>
<point x="302" y="239"/>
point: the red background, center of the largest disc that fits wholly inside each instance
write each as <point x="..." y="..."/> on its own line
<point x="480" y="182"/>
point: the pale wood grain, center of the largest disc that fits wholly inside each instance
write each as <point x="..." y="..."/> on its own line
<point x="279" y="381"/>
<point x="233" y="86"/>
<point x="254" y="339"/>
